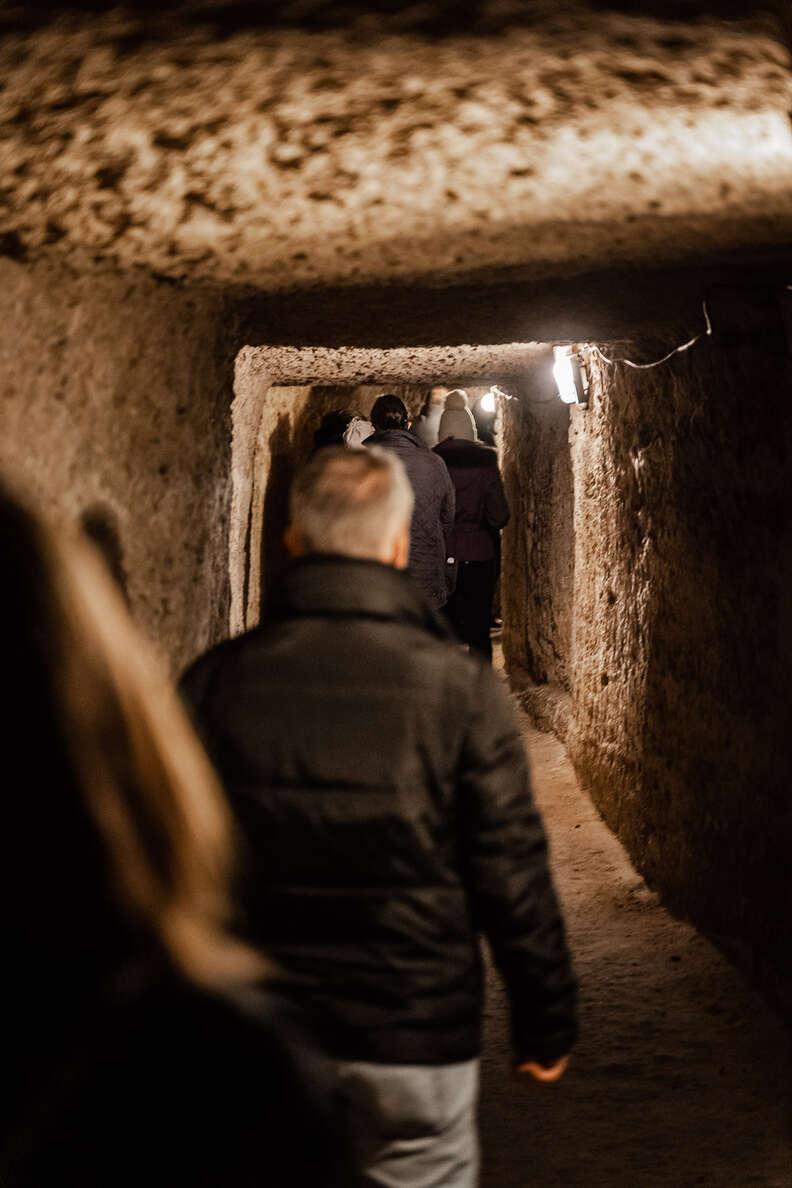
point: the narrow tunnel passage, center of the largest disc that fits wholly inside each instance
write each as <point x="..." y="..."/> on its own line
<point x="644" y="587"/>
<point x="200" y="212"/>
<point x="681" y="1073"/>
<point x="280" y="397"/>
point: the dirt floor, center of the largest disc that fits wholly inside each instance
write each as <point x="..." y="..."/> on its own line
<point x="681" y="1076"/>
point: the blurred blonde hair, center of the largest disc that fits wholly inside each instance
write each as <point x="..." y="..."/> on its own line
<point x="147" y="784"/>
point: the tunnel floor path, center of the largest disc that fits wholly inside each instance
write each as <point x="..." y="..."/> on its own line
<point x="681" y="1075"/>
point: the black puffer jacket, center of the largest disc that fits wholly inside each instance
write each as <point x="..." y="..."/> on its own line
<point x="433" y="515"/>
<point x="383" y="790"/>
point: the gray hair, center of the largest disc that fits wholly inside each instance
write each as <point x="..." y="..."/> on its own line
<point x="351" y="501"/>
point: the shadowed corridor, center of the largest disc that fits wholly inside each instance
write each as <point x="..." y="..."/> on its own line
<point x="681" y="1074"/>
<point x="218" y="222"/>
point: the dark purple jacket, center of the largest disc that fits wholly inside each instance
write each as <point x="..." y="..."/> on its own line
<point x="481" y="507"/>
<point x="432" y="525"/>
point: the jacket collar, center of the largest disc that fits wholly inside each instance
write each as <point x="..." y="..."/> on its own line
<point x="333" y="586"/>
<point x="391" y="436"/>
<point x="456" y="452"/>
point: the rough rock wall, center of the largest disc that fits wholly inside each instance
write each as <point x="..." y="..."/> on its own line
<point x="537" y="584"/>
<point x="115" y="407"/>
<point x="285" y="428"/>
<point x="355" y="367"/>
<point x="681" y="645"/>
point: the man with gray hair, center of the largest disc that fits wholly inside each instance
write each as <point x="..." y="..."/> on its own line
<point x="382" y="791"/>
<point x="349" y="506"/>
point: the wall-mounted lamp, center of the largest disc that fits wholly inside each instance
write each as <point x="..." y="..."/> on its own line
<point x="570" y="376"/>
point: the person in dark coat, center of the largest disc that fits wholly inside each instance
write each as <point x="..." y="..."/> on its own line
<point x="135" y="1048"/>
<point x="332" y="427"/>
<point x="433" y="515"/>
<point x="382" y="789"/>
<point x="481" y="512"/>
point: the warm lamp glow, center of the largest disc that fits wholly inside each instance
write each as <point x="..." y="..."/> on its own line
<point x="564" y="375"/>
<point x="488" y="402"/>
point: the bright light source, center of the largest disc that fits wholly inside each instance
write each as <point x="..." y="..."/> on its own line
<point x="565" y="377"/>
<point x="488" y="402"/>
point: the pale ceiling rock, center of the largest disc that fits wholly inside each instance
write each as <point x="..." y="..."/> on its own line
<point x="277" y="158"/>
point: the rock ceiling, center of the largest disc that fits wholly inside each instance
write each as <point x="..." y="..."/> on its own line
<point x="278" y="157"/>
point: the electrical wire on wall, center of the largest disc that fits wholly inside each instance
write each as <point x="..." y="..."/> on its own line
<point x="676" y="351"/>
<point x="571" y="372"/>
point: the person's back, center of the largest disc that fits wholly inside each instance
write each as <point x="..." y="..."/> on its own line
<point x="433" y="513"/>
<point x="426" y="425"/>
<point x="383" y="794"/>
<point x="338" y="726"/>
<point x="130" y="1029"/>
<point x="480" y="503"/>
<point x="481" y="512"/>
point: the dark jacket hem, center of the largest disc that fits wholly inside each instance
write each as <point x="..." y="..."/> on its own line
<point x="388" y="1046"/>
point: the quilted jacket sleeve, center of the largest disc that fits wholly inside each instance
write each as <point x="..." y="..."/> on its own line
<point x="510" y="886"/>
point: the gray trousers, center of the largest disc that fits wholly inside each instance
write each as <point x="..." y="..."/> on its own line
<point x="411" y="1125"/>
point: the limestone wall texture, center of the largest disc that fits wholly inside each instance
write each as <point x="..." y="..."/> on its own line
<point x="537" y="588"/>
<point x="680" y="653"/>
<point x="115" y="401"/>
